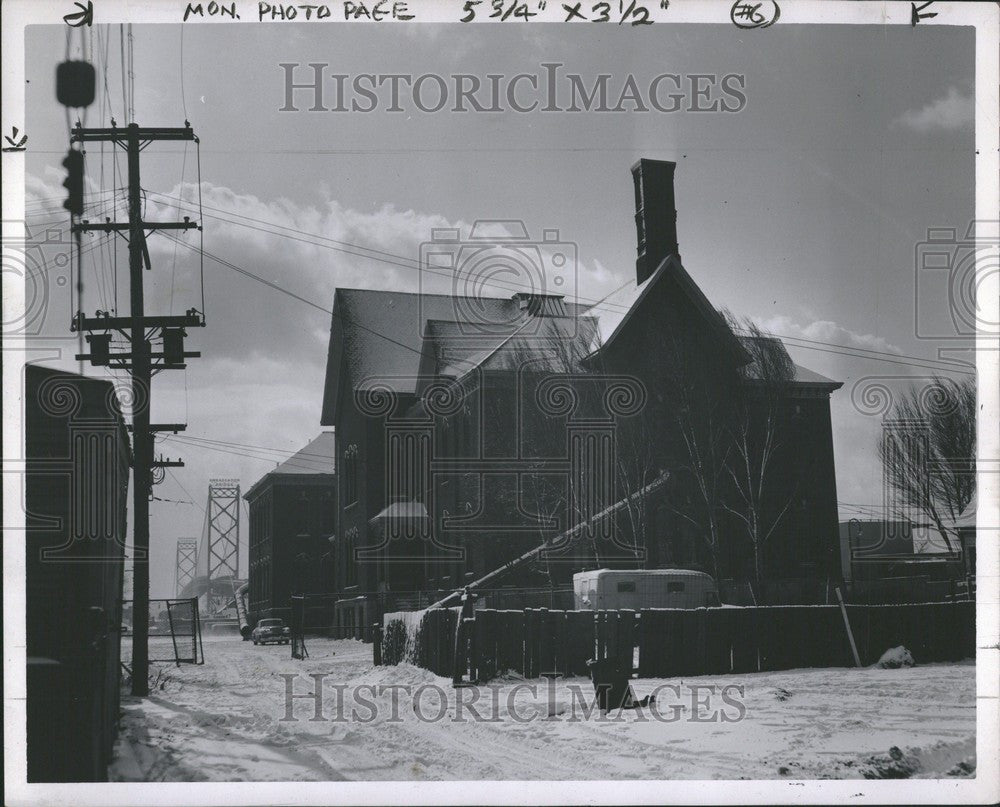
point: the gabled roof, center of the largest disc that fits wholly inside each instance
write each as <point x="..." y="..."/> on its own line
<point x="316" y="458"/>
<point x="802" y="375"/>
<point x="380" y="335"/>
<point x="546" y="343"/>
<point x="617" y="319"/>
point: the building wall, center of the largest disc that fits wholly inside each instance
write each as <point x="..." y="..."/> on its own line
<point x="76" y="489"/>
<point x="499" y="421"/>
<point x="292" y="518"/>
<point x="261" y="551"/>
<point x="358" y="463"/>
<point x="805" y="542"/>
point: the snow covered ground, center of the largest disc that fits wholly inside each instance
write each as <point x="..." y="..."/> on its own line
<point x="225" y="721"/>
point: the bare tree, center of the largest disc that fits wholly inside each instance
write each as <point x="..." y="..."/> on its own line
<point x="696" y="411"/>
<point x="758" y="430"/>
<point x="540" y="493"/>
<point x="635" y="468"/>
<point x="928" y="452"/>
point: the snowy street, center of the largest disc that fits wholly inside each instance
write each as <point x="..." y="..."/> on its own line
<point x="226" y="721"/>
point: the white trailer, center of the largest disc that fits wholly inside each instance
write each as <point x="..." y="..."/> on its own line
<point x="614" y="589"/>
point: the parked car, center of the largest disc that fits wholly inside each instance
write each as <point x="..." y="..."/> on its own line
<point x="613" y="589"/>
<point x="271" y="630"/>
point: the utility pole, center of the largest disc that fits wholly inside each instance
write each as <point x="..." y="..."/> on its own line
<point x="139" y="330"/>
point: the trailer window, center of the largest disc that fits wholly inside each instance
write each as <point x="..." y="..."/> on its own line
<point x="675" y="587"/>
<point x="626" y="587"/>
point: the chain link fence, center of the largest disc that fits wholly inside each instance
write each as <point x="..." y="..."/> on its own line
<point x="174" y="630"/>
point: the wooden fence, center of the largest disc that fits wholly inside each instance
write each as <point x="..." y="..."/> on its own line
<point x="677" y="642"/>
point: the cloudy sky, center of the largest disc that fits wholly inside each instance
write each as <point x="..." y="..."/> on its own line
<point x="801" y="211"/>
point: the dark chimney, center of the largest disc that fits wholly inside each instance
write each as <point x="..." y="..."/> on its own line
<point x="655" y="215"/>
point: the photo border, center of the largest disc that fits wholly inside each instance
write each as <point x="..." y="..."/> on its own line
<point x="983" y="16"/>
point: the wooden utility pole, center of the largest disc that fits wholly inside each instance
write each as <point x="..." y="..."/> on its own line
<point x="139" y="330"/>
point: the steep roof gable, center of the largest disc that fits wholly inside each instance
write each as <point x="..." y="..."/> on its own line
<point x="380" y="334"/>
<point x="801" y="375"/>
<point x="671" y="270"/>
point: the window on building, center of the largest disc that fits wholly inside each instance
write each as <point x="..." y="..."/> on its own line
<point x="350" y="474"/>
<point x="350" y="561"/>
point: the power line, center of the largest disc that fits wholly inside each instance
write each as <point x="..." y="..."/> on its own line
<point x="121" y="43"/>
<point x="801" y="342"/>
<point x="317" y="468"/>
<point x="276" y="287"/>
<point x="223" y="445"/>
<point x="262" y="448"/>
<point x="181" y="72"/>
<point x="806" y="344"/>
<point x="346" y="247"/>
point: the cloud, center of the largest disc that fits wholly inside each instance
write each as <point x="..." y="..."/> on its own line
<point x="948" y="113"/>
<point x="828" y="332"/>
<point x="848" y="356"/>
<point x="260" y="379"/>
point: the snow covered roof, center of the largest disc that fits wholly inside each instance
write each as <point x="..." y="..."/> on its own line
<point x="407" y="509"/>
<point x="802" y="375"/>
<point x="649" y="572"/>
<point x="380" y="335"/>
<point x="967" y="520"/>
<point x="546" y="343"/>
<point x="616" y="311"/>
<point x="318" y="456"/>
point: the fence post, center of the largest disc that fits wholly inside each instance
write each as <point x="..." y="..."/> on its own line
<point x="464" y="629"/>
<point x="531" y="642"/>
<point x="598" y="633"/>
<point x="377" y="644"/>
<point x="525" y="656"/>
<point x="546" y="662"/>
<point x="560" y="629"/>
<point x="626" y="640"/>
<point x="847" y="627"/>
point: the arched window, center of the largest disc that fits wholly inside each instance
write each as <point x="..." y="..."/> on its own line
<point x="350" y="561"/>
<point x="350" y="474"/>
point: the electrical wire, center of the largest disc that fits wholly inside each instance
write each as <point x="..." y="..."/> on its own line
<point x="201" y="230"/>
<point x="800" y="342"/>
<point x="312" y="468"/>
<point x="121" y="40"/>
<point x="173" y="264"/>
<point x="181" y="71"/>
<point x="286" y="452"/>
<point x="248" y="274"/>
